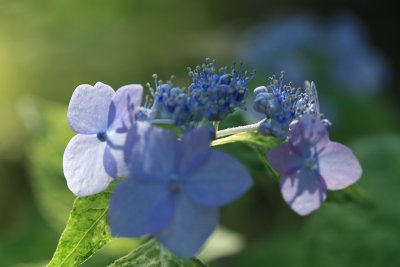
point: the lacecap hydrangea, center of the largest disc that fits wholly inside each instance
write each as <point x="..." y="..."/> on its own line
<point x="170" y="185"/>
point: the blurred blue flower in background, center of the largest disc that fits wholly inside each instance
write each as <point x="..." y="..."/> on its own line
<point x="304" y="46"/>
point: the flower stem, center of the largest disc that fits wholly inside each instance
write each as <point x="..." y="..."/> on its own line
<point x="239" y="129"/>
<point x="160" y="121"/>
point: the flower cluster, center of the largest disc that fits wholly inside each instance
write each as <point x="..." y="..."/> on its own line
<point x="214" y="95"/>
<point x="171" y="188"/>
<point x="211" y="96"/>
<point x="283" y="104"/>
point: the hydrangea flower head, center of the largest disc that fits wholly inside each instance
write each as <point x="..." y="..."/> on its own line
<point x="282" y="104"/>
<point x="311" y="164"/>
<point x="214" y="95"/>
<point x="169" y="102"/>
<point x="101" y="117"/>
<point x="174" y="188"/>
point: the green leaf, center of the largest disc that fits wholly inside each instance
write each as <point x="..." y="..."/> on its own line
<point x="151" y="254"/>
<point x="354" y="193"/>
<point x="259" y="143"/>
<point x="247" y="137"/>
<point x="86" y="231"/>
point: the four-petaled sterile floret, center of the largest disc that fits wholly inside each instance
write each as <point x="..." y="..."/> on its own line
<point x="101" y="117"/>
<point x="174" y="188"/>
<point x="310" y="164"/>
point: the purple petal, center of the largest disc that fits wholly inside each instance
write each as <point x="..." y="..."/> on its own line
<point x="88" y="108"/>
<point x="284" y="159"/>
<point x="150" y="150"/>
<point x="123" y="106"/>
<point x="304" y="191"/>
<point x="194" y="150"/>
<point x="114" y="162"/>
<point x="110" y="163"/>
<point x="83" y="165"/>
<point x="219" y="181"/>
<point x="139" y="208"/>
<point x="338" y="166"/>
<point x="308" y="131"/>
<point x="189" y="228"/>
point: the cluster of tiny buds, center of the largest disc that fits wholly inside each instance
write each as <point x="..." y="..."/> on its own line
<point x="210" y="97"/>
<point x="283" y="104"/>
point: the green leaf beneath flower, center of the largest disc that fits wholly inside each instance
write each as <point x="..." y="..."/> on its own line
<point x="86" y="231"/>
<point x="259" y="143"/>
<point x="151" y="254"/>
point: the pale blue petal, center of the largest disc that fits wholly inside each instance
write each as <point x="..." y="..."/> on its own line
<point x="304" y="191"/>
<point x="189" y="228"/>
<point x="219" y="181"/>
<point x="139" y="208"/>
<point x="338" y="166"/>
<point x="284" y="159"/>
<point x="150" y="150"/>
<point x="194" y="150"/>
<point x="307" y="132"/>
<point x="83" y="165"/>
<point x="123" y="107"/>
<point x="88" y="108"/>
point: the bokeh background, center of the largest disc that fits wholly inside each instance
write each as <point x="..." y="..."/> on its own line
<point x="349" y="48"/>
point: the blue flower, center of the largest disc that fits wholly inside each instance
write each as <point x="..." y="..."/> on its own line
<point x="303" y="46"/>
<point x="169" y="102"/>
<point x="101" y="118"/>
<point x="174" y="188"/>
<point x="311" y="164"/>
<point x="210" y="98"/>
<point x="282" y="104"/>
<point x="214" y="95"/>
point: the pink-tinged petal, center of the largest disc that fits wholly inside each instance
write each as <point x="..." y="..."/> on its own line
<point x="194" y="150"/>
<point x="306" y="132"/>
<point x="88" y="108"/>
<point x="284" y="159"/>
<point x="338" y="166"/>
<point x="83" y="165"/>
<point x="123" y="107"/>
<point x="304" y="191"/>
<point x="219" y="181"/>
<point x="139" y="208"/>
<point x="150" y="150"/>
<point x="189" y="228"/>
